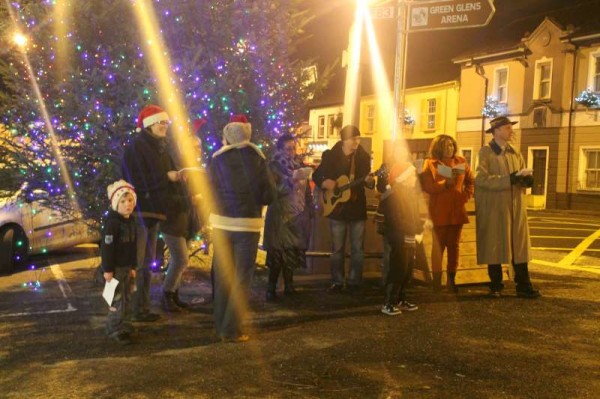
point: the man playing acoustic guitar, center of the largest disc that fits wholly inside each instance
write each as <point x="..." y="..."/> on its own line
<point x="346" y="161"/>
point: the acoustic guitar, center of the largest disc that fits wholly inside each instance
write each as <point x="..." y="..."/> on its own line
<point x="330" y="199"/>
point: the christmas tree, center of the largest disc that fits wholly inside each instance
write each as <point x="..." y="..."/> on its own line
<point x="227" y="57"/>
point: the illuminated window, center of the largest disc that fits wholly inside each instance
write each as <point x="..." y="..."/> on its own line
<point x="370" y="119"/>
<point x="321" y="128"/>
<point x="330" y="125"/>
<point x="501" y="85"/>
<point x="543" y="79"/>
<point x="431" y="110"/>
<point x="590" y="169"/>
<point x="594" y="74"/>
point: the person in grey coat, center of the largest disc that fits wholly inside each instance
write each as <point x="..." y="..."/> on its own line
<point x="501" y="214"/>
<point x="288" y="220"/>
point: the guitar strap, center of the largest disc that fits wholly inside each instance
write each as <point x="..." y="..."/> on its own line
<point x="352" y="167"/>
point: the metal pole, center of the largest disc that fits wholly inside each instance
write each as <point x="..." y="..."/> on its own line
<point x="485" y="93"/>
<point x="399" y="70"/>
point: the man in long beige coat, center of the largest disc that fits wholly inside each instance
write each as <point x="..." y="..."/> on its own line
<point x="502" y="231"/>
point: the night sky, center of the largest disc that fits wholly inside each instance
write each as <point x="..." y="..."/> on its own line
<point x="430" y="53"/>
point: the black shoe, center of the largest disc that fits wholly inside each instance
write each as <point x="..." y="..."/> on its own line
<point x="290" y="291"/>
<point x="168" y="303"/>
<point x="121" y="337"/>
<point x="146" y="317"/>
<point x="271" y="296"/>
<point x="528" y="293"/>
<point x="179" y="302"/>
<point x="494" y="294"/>
<point x="335" y="289"/>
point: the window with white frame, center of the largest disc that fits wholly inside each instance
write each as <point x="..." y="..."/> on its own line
<point x="330" y="125"/>
<point x="370" y="119"/>
<point x="594" y="68"/>
<point x="543" y="79"/>
<point x="321" y="127"/>
<point x="501" y="84"/>
<point x="590" y="168"/>
<point x="431" y="111"/>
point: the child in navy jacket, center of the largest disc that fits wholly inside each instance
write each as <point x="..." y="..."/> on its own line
<point x="118" y="250"/>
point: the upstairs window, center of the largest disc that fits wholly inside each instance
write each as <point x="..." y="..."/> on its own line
<point x="501" y="85"/>
<point x="431" y="113"/>
<point x="543" y="79"/>
<point x="594" y="75"/>
<point x="321" y="128"/>
<point x="330" y="125"/>
<point x="370" y="119"/>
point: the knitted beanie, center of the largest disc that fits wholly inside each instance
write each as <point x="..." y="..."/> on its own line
<point x="116" y="190"/>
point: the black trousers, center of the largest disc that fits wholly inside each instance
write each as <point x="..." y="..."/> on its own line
<point x="402" y="261"/>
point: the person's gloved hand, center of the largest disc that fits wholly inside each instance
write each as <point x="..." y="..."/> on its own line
<point x="527" y="181"/>
<point x="514" y="179"/>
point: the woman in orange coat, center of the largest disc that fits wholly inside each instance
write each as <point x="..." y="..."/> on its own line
<point x="448" y="180"/>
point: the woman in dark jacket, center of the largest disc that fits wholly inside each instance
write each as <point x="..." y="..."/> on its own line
<point x="287" y="224"/>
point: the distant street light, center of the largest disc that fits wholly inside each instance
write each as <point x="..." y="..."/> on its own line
<point x="20" y="39"/>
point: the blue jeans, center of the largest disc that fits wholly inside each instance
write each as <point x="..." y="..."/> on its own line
<point x="146" y="252"/>
<point x="118" y="319"/>
<point x="233" y="265"/>
<point x="178" y="261"/>
<point x="338" y="241"/>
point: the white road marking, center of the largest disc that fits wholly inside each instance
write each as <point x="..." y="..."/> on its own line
<point x="579" y="249"/>
<point x="567" y="267"/>
<point x="64" y="288"/>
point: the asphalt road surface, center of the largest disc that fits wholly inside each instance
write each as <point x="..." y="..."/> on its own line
<point x="316" y="345"/>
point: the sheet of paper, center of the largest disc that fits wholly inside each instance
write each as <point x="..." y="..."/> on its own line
<point x="460" y="168"/>
<point x="525" y="172"/>
<point x="192" y="169"/>
<point x="109" y="290"/>
<point x="302" y="173"/>
<point x="444" y="170"/>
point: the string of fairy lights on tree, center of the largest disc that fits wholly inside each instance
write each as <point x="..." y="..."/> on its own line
<point x="228" y="57"/>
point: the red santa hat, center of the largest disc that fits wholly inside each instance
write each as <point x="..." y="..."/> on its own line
<point x="150" y="115"/>
<point x="116" y="190"/>
<point x="198" y="123"/>
<point x="237" y="130"/>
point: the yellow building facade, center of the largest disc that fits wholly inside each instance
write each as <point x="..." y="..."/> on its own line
<point x="433" y="110"/>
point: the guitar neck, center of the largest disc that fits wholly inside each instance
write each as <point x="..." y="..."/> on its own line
<point x="352" y="184"/>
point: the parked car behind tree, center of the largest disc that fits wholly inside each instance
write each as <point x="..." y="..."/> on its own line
<point x="35" y="221"/>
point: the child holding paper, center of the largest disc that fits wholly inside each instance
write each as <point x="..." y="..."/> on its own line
<point x="448" y="180"/>
<point x="118" y="251"/>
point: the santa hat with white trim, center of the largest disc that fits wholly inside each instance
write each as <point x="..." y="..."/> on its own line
<point x="150" y="115"/>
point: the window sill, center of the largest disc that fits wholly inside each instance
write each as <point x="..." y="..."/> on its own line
<point x="595" y="191"/>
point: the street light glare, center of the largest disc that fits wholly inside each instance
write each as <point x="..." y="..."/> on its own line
<point x="20" y="39"/>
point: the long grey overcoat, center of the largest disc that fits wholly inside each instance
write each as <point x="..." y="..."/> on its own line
<point x="501" y="214"/>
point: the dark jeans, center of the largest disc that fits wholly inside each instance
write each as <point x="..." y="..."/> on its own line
<point x="233" y="266"/>
<point x="178" y="261"/>
<point x="339" y="228"/>
<point x="402" y="260"/>
<point x="117" y="320"/>
<point x="146" y="252"/>
<point x="522" y="280"/>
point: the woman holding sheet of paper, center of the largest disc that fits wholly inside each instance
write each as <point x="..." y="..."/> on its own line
<point x="448" y="180"/>
<point x="288" y="219"/>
